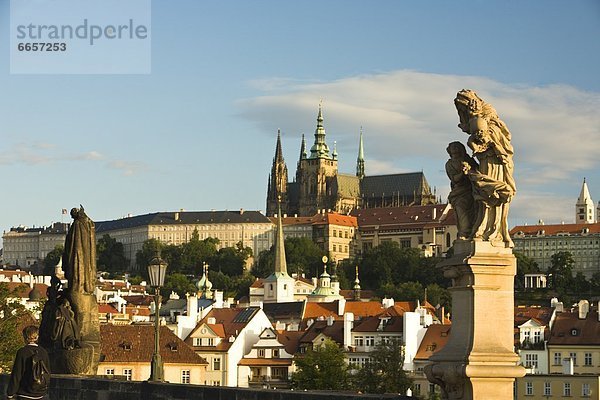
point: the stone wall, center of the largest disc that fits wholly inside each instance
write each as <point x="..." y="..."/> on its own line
<point x="93" y="388"/>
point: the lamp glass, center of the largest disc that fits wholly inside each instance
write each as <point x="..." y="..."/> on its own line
<point x="156" y="272"/>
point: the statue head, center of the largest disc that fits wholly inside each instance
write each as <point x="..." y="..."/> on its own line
<point x="457" y="150"/>
<point x="74" y="212"/>
<point x="467" y="104"/>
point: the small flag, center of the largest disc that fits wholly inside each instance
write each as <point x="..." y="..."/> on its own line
<point x="64" y="211"/>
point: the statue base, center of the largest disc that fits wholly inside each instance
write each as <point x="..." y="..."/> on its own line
<point x="478" y="361"/>
<point x="78" y="361"/>
<point x="85" y="308"/>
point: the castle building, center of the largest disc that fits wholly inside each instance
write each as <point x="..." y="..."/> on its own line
<point x="318" y="185"/>
<point x="28" y="246"/>
<point x="581" y="239"/>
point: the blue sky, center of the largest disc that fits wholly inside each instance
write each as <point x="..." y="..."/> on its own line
<point x="198" y="132"/>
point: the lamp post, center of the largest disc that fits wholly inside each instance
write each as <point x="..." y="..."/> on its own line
<point x="156" y="272"/>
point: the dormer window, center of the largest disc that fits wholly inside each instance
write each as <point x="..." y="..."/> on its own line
<point x="125" y="346"/>
<point x="574" y="332"/>
<point x="172" y="346"/>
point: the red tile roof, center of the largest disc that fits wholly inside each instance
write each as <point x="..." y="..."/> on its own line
<point x="265" y="361"/>
<point x="135" y="343"/>
<point x="407" y="216"/>
<point x="572" y="229"/>
<point x="434" y="340"/>
<point x="290" y="340"/>
<point x="330" y="218"/>
<point x="568" y="329"/>
<point x="23" y="290"/>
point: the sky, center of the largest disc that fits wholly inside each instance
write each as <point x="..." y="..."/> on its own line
<point x="198" y="130"/>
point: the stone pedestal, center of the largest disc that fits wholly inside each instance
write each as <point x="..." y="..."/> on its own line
<point x="479" y="361"/>
<point x="85" y="308"/>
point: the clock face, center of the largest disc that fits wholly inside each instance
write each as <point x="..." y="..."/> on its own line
<point x="324" y="259"/>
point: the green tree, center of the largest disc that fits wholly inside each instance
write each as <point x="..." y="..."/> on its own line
<point x="52" y="258"/>
<point x="561" y="272"/>
<point x="405" y="291"/>
<point x="322" y="368"/>
<point x="178" y="283"/>
<point x="196" y="252"/>
<point x="229" y="261"/>
<point x="10" y="314"/>
<point x="149" y="249"/>
<point x="302" y="256"/>
<point x="111" y="255"/>
<point x="384" y="373"/>
<point x="439" y="295"/>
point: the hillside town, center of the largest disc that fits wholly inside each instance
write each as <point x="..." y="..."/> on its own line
<point x="337" y="258"/>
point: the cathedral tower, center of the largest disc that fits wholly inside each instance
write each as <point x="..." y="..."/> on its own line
<point x="317" y="169"/>
<point x="278" y="181"/>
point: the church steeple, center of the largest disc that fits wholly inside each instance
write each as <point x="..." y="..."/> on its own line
<point x="360" y="161"/>
<point x="320" y="149"/>
<point x="278" y="180"/>
<point x="280" y="262"/>
<point x="584" y="209"/>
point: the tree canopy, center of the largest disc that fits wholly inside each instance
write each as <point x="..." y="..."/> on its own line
<point x="111" y="255"/>
<point x="11" y="313"/>
<point x="383" y="372"/>
<point x="321" y="368"/>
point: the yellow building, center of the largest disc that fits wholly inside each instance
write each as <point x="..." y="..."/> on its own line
<point x="28" y="246"/>
<point x="127" y="350"/>
<point x="251" y="228"/>
<point x="557" y="386"/>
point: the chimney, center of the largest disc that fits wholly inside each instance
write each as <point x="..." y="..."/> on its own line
<point x="176" y="216"/>
<point x="211" y="320"/>
<point x="330" y="320"/>
<point x="584" y="307"/>
<point x="241" y="211"/>
<point x="348" y="325"/>
<point x="559" y="306"/>
<point x="434" y="213"/>
<point x="567" y="364"/>
<point x="192" y="307"/>
<point x="341" y="306"/>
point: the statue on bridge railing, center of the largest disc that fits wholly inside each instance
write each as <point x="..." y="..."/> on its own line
<point x="481" y="192"/>
<point x="70" y="329"/>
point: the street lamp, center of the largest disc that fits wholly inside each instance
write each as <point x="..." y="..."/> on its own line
<point x="156" y="272"/>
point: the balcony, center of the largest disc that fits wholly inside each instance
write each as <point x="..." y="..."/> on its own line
<point x="529" y="345"/>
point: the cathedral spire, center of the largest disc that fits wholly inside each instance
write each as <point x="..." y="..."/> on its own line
<point x="320" y="149"/>
<point x="360" y="161"/>
<point x="278" y="152"/>
<point x="303" y="148"/>
<point x="280" y="263"/>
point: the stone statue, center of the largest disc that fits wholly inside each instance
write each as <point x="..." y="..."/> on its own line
<point x="461" y="193"/>
<point x="493" y="184"/>
<point x="70" y="329"/>
<point x="65" y="332"/>
<point x="79" y="257"/>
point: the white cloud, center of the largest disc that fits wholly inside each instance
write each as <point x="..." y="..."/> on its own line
<point x="409" y="117"/>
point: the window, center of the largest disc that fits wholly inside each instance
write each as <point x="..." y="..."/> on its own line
<point x="275" y="353"/>
<point x="587" y="359"/>
<point x="557" y="358"/>
<point x="531" y="361"/>
<point x="370" y="341"/>
<point x="210" y="341"/>
<point x="566" y="389"/>
<point x="185" y="376"/>
<point x="358" y="341"/>
<point x="585" y="389"/>
<point x="127" y="373"/>
<point x="216" y="383"/>
<point x="547" y="389"/>
<point x="529" y="388"/>
<point x="261" y="353"/>
<point x="574" y="357"/>
<point x="537" y="337"/>
<point x="217" y="364"/>
<point x="417" y="390"/>
<point x="279" y="372"/>
<point x="109" y="371"/>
